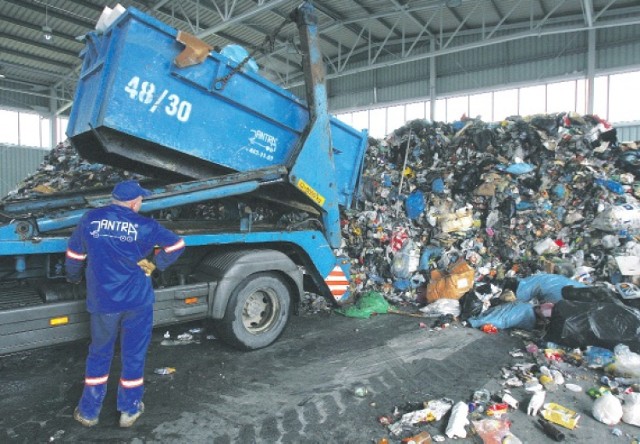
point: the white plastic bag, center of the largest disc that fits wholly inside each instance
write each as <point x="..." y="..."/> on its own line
<point x="607" y="409"/>
<point x="442" y="307"/>
<point x="631" y="408"/>
<point x="627" y="363"/>
<point x="458" y="421"/>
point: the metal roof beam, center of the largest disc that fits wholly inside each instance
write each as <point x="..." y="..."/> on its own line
<point x="587" y="8"/>
<point x="239" y="18"/>
<point x="38" y="44"/>
<point x="462" y="23"/>
<point x="51" y="11"/>
<point x="38" y="29"/>
<point x="603" y="10"/>
<point x="36" y="58"/>
<point x="560" y="29"/>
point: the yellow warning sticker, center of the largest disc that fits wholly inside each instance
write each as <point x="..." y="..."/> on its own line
<point x="313" y="194"/>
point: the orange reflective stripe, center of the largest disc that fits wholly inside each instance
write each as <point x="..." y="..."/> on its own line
<point x="77" y="256"/>
<point x="96" y="381"/>
<point x="131" y="383"/>
<point x="178" y="245"/>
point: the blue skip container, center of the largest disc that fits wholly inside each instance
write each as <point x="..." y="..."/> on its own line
<point x="136" y="109"/>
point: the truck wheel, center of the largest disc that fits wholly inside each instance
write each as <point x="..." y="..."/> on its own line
<point x="257" y="312"/>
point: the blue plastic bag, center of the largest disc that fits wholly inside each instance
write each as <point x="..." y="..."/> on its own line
<point x="437" y="186"/>
<point x="427" y="252"/>
<point x="415" y="204"/>
<point x="519" y="168"/>
<point x="544" y="287"/>
<point x="510" y="315"/>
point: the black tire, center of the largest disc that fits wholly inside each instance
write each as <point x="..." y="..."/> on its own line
<point x="257" y="312"/>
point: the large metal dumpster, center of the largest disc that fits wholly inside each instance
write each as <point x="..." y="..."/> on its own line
<point x="136" y="109"/>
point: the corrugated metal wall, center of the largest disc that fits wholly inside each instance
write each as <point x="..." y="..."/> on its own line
<point x="628" y="133"/>
<point x="14" y="98"/>
<point x="16" y="163"/>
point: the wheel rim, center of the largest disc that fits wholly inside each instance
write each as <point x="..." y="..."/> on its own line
<point x="260" y="310"/>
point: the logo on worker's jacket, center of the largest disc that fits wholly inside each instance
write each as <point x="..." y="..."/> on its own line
<point x="125" y="231"/>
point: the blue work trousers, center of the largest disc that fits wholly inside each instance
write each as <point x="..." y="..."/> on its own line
<point x="134" y="327"/>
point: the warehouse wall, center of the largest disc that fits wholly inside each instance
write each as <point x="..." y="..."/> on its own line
<point x="514" y="63"/>
<point x="628" y="132"/>
<point x="17" y="162"/>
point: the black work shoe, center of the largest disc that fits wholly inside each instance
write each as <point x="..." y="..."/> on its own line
<point x="128" y="419"/>
<point x="82" y="420"/>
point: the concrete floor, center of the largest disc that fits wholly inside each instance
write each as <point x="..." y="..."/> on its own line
<point x="299" y="390"/>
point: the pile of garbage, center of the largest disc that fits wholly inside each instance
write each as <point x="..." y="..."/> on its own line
<point x="491" y="221"/>
<point x="63" y="170"/>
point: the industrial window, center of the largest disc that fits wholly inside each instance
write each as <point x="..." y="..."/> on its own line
<point x="561" y="97"/>
<point x="532" y="100"/>
<point x="395" y="118"/>
<point x="624" y="97"/>
<point x="480" y="105"/>
<point x="29" y="129"/>
<point x="415" y="110"/>
<point x="505" y="104"/>
<point x="9" y="129"/>
<point x="457" y="107"/>
<point x="377" y="123"/>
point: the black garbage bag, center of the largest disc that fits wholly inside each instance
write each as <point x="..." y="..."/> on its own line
<point x="470" y="305"/>
<point x="579" y="324"/>
<point x="482" y="139"/>
<point x="629" y="161"/>
<point x="468" y="180"/>
<point x="508" y="208"/>
<point x="588" y="294"/>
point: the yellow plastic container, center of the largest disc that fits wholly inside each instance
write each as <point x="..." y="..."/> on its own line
<point x="560" y="415"/>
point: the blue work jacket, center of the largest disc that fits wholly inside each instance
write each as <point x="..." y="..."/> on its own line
<point x="110" y="241"/>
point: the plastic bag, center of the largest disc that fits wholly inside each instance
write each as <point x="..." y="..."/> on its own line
<point x="619" y="217"/>
<point x="519" y="168"/>
<point x="588" y="294"/>
<point x="368" y="304"/>
<point x="607" y="409"/>
<point x="405" y="262"/>
<point x="510" y="315"/>
<point x="452" y="284"/>
<point x="627" y="363"/>
<point x="631" y="408"/>
<point x="492" y="431"/>
<point x="414" y="204"/>
<point x="579" y="324"/>
<point x="427" y="253"/>
<point x="471" y="305"/>
<point x="544" y="287"/>
<point x="442" y="307"/>
<point x="433" y="411"/>
<point x="597" y="357"/>
<point x="458" y="421"/>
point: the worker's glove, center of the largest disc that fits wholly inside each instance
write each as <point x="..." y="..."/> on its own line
<point x="147" y="266"/>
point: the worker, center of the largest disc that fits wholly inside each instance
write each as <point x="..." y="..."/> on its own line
<point x="114" y="242"/>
